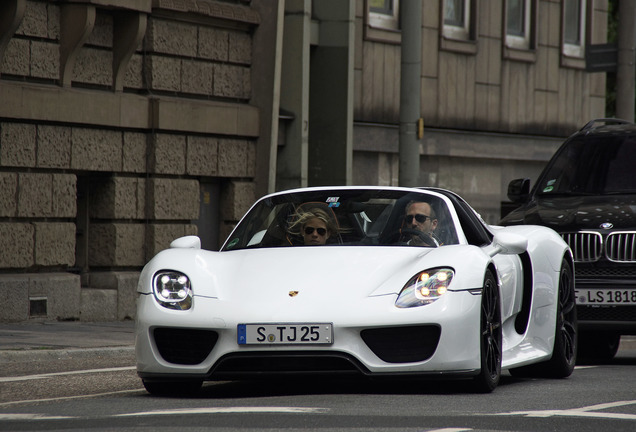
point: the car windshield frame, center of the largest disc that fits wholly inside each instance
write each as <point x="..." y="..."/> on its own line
<point x="363" y="216"/>
<point x="591" y="165"/>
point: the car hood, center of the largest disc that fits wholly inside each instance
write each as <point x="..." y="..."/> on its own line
<point x="262" y="275"/>
<point x="573" y="213"/>
<point x="316" y="271"/>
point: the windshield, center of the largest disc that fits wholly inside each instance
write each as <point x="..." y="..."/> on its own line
<point x="586" y="165"/>
<point x="344" y="218"/>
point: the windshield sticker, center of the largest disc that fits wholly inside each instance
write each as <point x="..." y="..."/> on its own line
<point x="334" y="204"/>
<point x="548" y="189"/>
<point x="232" y="243"/>
<point x="551" y="182"/>
<point x="333" y="199"/>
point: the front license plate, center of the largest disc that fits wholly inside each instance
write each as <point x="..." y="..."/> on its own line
<point x="612" y="297"/>
<point x="285" y="334"/>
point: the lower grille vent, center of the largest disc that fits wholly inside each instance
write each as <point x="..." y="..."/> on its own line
<point x="402" y="344"/>
<point x="184" y="345"/>
<point x="262" y="364"/>
<point x="607" y="314"/>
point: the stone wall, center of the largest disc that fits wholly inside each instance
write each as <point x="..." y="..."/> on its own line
<point x="105" y="137"/>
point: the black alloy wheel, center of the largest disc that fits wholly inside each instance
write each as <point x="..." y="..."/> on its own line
<point x="490" y="337"/>
<point x="565" y="343"/>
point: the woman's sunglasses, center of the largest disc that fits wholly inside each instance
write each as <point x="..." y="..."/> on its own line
<point x="320" y="231"/>
<point x="418" y="217"/>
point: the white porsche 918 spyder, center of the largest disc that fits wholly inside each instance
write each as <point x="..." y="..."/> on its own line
<point x="365" y="281"/>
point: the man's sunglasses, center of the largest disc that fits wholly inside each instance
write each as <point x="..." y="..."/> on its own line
<point x="418" y="217"/>
<point x="310" y="230"/>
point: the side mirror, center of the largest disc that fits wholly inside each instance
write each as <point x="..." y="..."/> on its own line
<point x="519" y="190"/>
<point x="187" y="242"/>
<point x="509" y="243"/>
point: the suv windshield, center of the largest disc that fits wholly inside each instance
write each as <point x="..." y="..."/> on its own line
<point x="592" y="165"/>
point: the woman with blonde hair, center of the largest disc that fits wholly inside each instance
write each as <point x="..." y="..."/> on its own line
<point x="314" y="226"/>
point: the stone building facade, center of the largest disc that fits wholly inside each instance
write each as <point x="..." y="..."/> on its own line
<point x="121" y="123"/>
<point x="127" y="123"/>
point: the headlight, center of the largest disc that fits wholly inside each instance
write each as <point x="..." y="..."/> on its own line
<point x="425" y="287"/>
<point x="172" y="290"/>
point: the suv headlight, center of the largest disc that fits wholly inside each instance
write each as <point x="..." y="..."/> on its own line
<point x="425" y="287"/>
<point x="172" y="290"/>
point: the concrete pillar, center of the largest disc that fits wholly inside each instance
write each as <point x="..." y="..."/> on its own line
<point x="331" y="94"/>
<point x="410" y="93"/>
<point x="266" y="86"/>
<point x="291" y="169"/>
<point x="626" y="57"/>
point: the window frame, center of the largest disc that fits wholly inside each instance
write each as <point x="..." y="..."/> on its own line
<point x="454" y="31"/>
<point x="385" y="20"/>
<point x="519" y="41"/>
<point x="458" y="39"/>
<point x="383" y="27"/>
<point x="522" y="48"/>
<point x="573" y="51"/>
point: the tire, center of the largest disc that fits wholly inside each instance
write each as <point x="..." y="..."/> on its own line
<point x="490" y="337"/>
<point x="564" y="352"/>
<point x="598" y="346"/>
<point x="173" y="388"/>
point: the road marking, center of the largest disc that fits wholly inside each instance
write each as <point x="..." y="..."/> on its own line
<point x="588" y="411"/>
<point x="22" y="417"/>
<point x="225" y="410"/>
<point x="63" y="398"/>
<point x="55" y="374"/>
<point x="185" y="411"/>
<point x="451" y="430"/>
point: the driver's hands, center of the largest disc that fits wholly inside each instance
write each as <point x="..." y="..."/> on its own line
<point x="423" y="239"/>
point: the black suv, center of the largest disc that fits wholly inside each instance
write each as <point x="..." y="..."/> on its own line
<point x="587" y="193"/>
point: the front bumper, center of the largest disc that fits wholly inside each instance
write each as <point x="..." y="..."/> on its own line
<point x="434" y="339"/>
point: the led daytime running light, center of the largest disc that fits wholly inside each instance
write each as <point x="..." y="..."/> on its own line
<point x="425" y="288"/>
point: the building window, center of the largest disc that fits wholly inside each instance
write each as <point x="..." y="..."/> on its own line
<point x="520" y="38"/>
<point x="457" y="18"/>
<point x="384" y="14"/>
<point x="383" y="20"/>
<point x="459" y="23"/>
<point x="574" y="13"/>
<point x="518" y="14"/>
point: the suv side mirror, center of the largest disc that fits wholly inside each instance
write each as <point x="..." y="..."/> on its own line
<point x="519" y="190"/>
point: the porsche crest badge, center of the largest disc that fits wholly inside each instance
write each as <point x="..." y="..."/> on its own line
<point x="293" y="293"/>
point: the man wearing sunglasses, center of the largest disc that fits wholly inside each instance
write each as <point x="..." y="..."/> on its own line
<point x="420" y="218"/>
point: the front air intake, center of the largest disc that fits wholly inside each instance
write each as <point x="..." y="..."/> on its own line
<point x="402" y="344"/>
<point x="184" y="345"/>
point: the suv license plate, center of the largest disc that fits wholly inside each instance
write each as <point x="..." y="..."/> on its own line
<point x="612" y="297"/>
<point x="285" y="334"/>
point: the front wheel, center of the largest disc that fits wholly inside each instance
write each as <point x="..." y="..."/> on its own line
<point x="490" y="337"/>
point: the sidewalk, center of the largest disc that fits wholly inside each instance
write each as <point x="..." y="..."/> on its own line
<point x="38" y="340"/>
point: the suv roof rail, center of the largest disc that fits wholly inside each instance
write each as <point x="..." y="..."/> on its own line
<point x="591" y="124"/>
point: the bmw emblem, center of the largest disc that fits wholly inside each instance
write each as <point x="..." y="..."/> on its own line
<point x="607" y="225"/>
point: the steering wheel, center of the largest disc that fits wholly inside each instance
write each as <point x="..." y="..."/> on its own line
<point x="419" y="237"/>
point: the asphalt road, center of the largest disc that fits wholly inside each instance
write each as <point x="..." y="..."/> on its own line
<point x="99" y="393"/>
